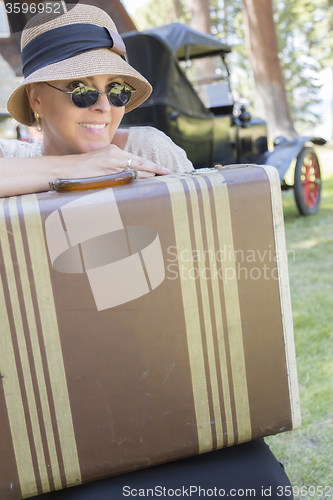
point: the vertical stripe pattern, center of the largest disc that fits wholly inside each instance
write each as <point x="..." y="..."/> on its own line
<point x="43" y="445"/>
<point x="284" y="288"/>
<point x="217" y="311"/>
<point x="192" y="318"/>
<point x="212" y="339"/>
<point x="230" y="286"/>
<point x="11" y="385"/>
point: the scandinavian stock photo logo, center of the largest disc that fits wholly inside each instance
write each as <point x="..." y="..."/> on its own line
<point x="226" y="263"/>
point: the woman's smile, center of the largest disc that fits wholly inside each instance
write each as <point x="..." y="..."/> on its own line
<point x="94" y="127"/>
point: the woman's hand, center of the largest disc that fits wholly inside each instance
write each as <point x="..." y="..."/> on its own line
<point x="110" y="160"/>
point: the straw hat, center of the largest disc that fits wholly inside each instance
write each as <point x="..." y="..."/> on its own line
<point x="59" y="41"/>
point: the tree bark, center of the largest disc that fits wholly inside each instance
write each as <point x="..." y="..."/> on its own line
<point x="271" y="99"/>
<point x="200" y="15"/>
<point x="200" y="20"/>
<point x="178" y="8"/>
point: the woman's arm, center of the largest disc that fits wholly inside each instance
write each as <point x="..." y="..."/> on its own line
<point x="156" y="146"/>
<point x="31" y="175"/>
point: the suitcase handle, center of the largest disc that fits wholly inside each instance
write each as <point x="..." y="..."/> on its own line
<point x="64" y="185"/>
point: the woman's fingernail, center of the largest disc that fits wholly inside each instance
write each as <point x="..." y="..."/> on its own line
<point x="166" y="170"/>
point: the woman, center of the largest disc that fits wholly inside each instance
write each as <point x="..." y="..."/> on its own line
<point x="76" y="89"/>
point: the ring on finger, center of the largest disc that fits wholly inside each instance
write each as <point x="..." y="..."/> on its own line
<point x="129" y="161"/>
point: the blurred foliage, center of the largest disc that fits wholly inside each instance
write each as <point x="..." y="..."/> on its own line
<point x="305" y="49"/>
<point x="159" y="12"/>
<point x="305" y="37"/>
<point x="227" y="24"/>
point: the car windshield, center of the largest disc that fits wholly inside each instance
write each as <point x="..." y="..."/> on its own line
<point x="210" y="79"/>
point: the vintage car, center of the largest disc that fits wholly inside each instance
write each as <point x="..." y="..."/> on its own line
<point x="192" y="103"/>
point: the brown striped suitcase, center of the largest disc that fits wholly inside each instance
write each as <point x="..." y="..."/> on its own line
<point x="141" y="324"/>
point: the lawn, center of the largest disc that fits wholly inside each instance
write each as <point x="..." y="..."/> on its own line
<point x="307" y="453"/>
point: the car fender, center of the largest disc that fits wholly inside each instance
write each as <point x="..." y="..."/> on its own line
<point x="285" y="151"/>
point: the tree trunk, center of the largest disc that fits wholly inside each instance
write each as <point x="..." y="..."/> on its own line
<point x="178" y="8"/>
<point x="200" y="15"/>
<point x="271" y="99"/>
<point x="330" y="14"/>
<point x="200" y="20"/>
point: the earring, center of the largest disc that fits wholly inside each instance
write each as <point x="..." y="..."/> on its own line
<point x="39" y="125"/>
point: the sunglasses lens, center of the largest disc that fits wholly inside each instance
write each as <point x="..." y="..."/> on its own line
<point x="84" y="97"/>
<point x="120" y="95"/>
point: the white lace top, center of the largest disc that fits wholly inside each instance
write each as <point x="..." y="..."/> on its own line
<point x="146" y="142"/>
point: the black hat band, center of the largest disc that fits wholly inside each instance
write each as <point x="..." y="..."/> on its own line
<point x="64" y="42"/>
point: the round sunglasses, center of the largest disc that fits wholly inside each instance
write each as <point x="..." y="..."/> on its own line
<point x="85" y="96"/>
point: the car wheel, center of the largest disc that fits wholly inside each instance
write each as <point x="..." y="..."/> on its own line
<point x="307" y="182"/>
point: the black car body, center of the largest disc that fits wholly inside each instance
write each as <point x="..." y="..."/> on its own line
<point x="192" y="103"/>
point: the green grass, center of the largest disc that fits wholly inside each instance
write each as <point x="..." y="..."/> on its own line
<point x="307" y="453"/>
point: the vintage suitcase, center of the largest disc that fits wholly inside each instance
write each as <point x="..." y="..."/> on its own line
<point x="141" y="324"/>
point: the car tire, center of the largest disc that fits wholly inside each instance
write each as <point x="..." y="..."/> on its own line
<point x="307" y="182"/>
